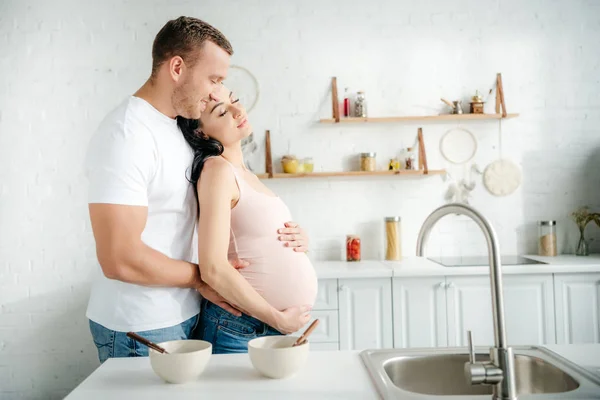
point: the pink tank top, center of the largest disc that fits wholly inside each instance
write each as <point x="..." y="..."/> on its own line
<point x="281" y="275"/>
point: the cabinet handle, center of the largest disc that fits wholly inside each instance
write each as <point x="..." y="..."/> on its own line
<point x="442" y="285"/>
<point x="342" y="287"/>
<point x="451" y="285"/>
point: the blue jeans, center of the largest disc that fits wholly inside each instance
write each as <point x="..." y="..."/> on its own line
<point x="116" y="344"/>
<point x="228" y="333"/>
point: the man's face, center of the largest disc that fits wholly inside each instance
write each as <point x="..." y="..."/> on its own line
<point x="198" y="83"/>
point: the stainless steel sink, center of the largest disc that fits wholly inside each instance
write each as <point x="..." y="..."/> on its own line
<point x="439" y="372"/>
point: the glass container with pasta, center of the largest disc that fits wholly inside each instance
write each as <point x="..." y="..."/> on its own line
<point x="393" y="241"/>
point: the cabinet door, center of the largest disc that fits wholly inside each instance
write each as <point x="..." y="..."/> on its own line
<point x="528" y="310"/>
<point x="326" y="331"/>
<point x="419" y="312"/>
<point x="365" y="312"/>
<point x="327" y="295"/>
<point x="577" y="308"/>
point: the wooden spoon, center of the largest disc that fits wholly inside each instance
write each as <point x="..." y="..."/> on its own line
<point x="146" y="342"/>
<point x="302" y="339"/>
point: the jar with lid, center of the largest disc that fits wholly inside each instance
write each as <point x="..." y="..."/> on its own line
<point x="360" y="105"/>
<point x="367" y="161"/>
<point x="547" y="238"/>
<point x="352" y="248"/>
<point x="393" y="251"/>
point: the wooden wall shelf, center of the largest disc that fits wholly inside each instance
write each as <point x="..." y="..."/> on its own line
<point x="414" y="173"/>
<point x="424" y="118"/>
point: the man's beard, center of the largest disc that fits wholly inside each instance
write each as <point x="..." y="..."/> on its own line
<point x="184" y="104"/>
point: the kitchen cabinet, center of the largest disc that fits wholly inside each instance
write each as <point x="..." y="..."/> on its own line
<point x="365" y="313"/>
<point x="419" y="311"/>
<point x="577" y="308"/>
<point x="528" y="309"/>
<point x="327" y="330"/>
<point x="326" y="334"/>
<point x="436" y="311"/>
<point x="327" y="295"/>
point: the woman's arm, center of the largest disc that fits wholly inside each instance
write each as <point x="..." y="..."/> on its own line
<point x="216" y="191"/>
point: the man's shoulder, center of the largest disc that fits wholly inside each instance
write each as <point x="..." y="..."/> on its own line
<point x="123" y="122"/>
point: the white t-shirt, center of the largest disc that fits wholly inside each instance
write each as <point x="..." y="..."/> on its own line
<point x="138" y="156"/>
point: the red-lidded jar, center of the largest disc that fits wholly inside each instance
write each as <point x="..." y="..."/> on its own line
<point x="352" y="248"/>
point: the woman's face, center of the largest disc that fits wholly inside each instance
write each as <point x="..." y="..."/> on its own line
<point x="225" y="120"/>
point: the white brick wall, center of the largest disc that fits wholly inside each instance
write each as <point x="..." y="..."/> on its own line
<point x="64" y="64"/>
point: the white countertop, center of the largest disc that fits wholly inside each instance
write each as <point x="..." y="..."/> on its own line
<point x="421" y="266"/>
<point x="327" y="375"/>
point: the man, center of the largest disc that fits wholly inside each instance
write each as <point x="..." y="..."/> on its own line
<point x="142" y="207"/>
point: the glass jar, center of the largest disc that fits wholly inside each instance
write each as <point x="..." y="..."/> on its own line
<point x="547" y="239"/>
<point x="367" y="161"/>
<point x="360" y="105"/>
<point x="352" y="248"/>
<point x="308" y="164"/>
<point x="410" y="159"/>
<point x="393" y="250"/>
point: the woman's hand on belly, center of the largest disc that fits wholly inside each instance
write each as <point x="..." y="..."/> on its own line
<point x="292" y="319"/>
<point x="293" y="236"/>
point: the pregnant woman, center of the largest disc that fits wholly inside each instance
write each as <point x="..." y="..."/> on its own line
<point x="238" y="214"/>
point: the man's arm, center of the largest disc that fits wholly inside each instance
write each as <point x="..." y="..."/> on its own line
<point x="124" y="257"/>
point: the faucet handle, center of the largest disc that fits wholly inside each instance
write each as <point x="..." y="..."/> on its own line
<point x="471" y="347"/>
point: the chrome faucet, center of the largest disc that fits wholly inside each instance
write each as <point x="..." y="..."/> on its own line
<point x="500" y="370"/>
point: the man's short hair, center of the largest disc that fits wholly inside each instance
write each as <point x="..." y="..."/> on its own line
<point x="183" y="37"/>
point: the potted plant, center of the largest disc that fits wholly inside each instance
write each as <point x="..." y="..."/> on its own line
<point x="582" y="216"/>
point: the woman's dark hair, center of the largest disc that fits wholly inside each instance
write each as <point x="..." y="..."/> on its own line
<point x="202" y="145"/>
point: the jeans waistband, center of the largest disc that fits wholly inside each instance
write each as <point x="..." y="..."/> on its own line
<point x="225" y="317"/>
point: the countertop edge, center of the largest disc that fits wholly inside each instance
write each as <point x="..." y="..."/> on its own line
<point x="422" y="267"/>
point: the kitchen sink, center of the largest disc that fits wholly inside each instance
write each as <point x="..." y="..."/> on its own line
<point x="439" y="372"/>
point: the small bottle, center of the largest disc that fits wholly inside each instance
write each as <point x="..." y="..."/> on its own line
<point x="352" y="248"/>
<point x="393" y="251"/>
<point x="360" y="105"/>
<point x="410" y="159"/>
<point x="547" y="239"/>
<point x="346" y="103"/>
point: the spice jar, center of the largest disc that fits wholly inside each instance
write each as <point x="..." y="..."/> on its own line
<point x="367" y="161"/>
<point x="410" y="160"/>
<point x="352" y="248"/>
<point x="360" y="105"/>
<point x="393" y="244"/>
<point x="547" y="238"/>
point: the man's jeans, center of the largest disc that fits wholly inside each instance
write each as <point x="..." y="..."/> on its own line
<point x="116" y="344"/>
<point x="228" y="333"/>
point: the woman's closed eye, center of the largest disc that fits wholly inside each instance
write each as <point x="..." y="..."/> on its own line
<point x="222" y="114"/>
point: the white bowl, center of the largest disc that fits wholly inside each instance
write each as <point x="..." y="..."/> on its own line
<point x="185" y="362"/>
<point x="274" y="356"/>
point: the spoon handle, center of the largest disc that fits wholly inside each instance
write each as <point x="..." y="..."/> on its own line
<point x="302" y="339"/>
<point x="146" y="342"/>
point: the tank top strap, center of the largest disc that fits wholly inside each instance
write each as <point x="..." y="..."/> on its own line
<point x="236" y="173"/>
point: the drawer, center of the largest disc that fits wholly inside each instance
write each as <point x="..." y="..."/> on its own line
<point x="324" y="346"/>
<point x="326" y="331"/>
<point x="327" y="295"/>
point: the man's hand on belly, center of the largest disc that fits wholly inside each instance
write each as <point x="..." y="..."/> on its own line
<point x="293" y="236"/>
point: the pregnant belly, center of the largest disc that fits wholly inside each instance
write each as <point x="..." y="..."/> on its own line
<point x="285" y="278"/>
